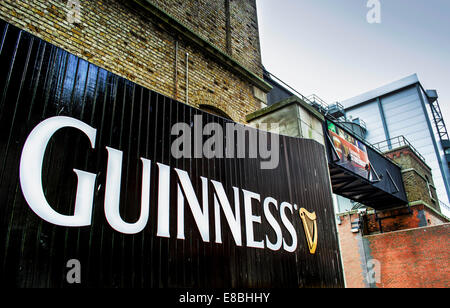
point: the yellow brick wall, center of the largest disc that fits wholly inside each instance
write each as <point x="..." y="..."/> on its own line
<point x="417" y="176"/>
<point x="118" y="36"/>
<point x="208" y="18"/>
<point x="245" y="34"/>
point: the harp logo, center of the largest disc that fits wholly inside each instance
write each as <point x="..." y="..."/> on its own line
<point x="310" y="225"/>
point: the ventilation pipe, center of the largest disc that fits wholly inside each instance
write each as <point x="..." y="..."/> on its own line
<point x="187" y="78"/>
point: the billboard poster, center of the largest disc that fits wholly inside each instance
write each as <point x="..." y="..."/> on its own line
<point x="352" y="152"/>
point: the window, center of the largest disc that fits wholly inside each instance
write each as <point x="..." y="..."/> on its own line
<point x="216" y="111"/>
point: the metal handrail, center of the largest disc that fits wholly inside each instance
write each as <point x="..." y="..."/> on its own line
<point x="361" y="123"/>
<point x="311" y="100"/>
<point x="397" y="142"/>
<point x="314" y="99"/>
<point x="323" y="108"/>
<point x="290" y="88"/>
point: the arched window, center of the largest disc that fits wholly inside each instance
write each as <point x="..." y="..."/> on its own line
<point x="214" y="110"/>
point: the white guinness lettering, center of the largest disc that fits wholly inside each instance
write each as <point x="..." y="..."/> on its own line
<point x="112" y="194"/>
<point x="31" y="174"/>
<point x="31" y="183"/>
<point x="273" y="223"/>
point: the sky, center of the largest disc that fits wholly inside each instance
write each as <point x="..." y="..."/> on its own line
<point x="328" y="48"/>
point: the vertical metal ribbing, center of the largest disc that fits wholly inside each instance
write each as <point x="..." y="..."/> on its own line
<point x="11" y="68"/>
<point x="5" y="30"/>
<point x="16" y="95"/>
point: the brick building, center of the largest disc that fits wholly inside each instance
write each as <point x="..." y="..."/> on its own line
<point x="417" y="175"/>
<point x="400" y="247"/>
<point x="204" y="53"/>
<point x="408" y="258"/>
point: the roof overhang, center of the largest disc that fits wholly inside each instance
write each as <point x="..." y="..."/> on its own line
<point x="381" y="91"/>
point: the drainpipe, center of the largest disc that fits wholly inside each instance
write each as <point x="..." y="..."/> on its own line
<point x="187" y="78"/>
<point x="176" y="71"/>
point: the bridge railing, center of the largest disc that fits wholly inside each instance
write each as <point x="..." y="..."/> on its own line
<point x="395" y="143"/>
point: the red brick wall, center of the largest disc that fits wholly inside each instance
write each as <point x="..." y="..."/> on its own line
<point x="352" y="258"/>
<point x="401" y="219"/>
<point x="413" y="258"/>
<point x="426" y="249"/>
